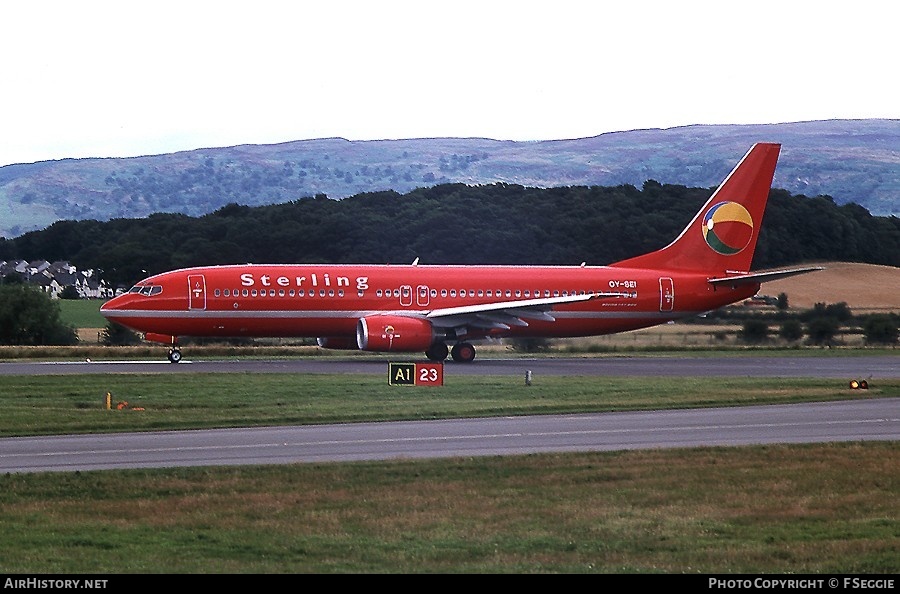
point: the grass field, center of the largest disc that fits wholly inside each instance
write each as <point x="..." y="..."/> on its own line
<point x="827" y="508"/>
<point x="42" y="405"/>
<point x="82" y="313"/>
<point x="786" y="509"/>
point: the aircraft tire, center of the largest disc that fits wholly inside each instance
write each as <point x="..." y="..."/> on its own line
<point x="174" y="356"/>
<point x="437" y="352"/>
<point x="463" y="352"/>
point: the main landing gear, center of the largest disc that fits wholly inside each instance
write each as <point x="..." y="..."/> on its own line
<point x="462" y="352"/>
<point x="172" y="341"/>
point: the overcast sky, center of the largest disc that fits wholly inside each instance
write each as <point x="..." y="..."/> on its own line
<point x="130" y="77"/>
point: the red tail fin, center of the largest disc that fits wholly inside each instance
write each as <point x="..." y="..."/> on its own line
<point x="722" y="236"/>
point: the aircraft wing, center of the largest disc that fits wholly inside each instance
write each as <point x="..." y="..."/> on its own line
<point x="761" y="277"/>
<point x="504" y="314"/>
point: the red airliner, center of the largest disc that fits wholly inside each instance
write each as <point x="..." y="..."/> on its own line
<point x="416" y="308"/>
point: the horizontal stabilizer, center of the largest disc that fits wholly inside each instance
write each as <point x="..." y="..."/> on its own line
<point x="761" y="277"/>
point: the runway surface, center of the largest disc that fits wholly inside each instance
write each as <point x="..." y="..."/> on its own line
<point x="852" y="420"/>
<point x="849" y="367"/>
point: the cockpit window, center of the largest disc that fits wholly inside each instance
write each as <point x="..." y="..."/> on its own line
<point x="146" y="290"/>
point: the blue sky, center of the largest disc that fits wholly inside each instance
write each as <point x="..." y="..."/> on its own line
<point x="114" y="79"/>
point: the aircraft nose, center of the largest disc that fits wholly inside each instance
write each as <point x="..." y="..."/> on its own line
<point x="113" y="305"/>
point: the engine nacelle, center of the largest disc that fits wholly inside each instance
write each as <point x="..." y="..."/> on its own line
<point x="337" y="343"/>
<point x="394" y="334"/>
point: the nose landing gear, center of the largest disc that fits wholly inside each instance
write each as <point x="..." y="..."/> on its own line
<point x="174" y="355"/>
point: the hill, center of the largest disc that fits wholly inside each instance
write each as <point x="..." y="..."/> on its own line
<point x="853" y="161"/>
<point x="864" y="288"/>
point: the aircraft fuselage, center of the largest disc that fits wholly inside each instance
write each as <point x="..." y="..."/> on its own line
<point x="328" y="300"/>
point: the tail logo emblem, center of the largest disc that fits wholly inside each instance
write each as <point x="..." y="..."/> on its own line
<point x="727" y="228"/>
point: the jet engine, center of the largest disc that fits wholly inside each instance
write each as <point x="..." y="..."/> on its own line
<point x="394" y="334"/>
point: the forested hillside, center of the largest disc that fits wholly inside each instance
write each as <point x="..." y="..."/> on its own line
<point x="455" y="223"/>
<point x="854" y="161"/>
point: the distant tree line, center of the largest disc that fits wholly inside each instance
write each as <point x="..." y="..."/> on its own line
<point x="455" y="223"/>
<point x="820" y="325"/>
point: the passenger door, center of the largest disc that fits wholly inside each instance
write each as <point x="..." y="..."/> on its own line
<point x="196" y="291"/>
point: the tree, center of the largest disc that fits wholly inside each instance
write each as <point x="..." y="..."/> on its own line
<point x="822" y="330"/>
<point x="754" y="332"/>
<point x="791" y="330"/>
<point x="29" y="317"/>
<point x="880" y="329"/>
<point x="118" y="335"/>
<point x="782" y="302"/>
<point x="839" y="311"/>
<point x="69" y="292"/>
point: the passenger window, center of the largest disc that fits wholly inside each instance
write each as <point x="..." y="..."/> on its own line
<point x="217" y="293"/>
